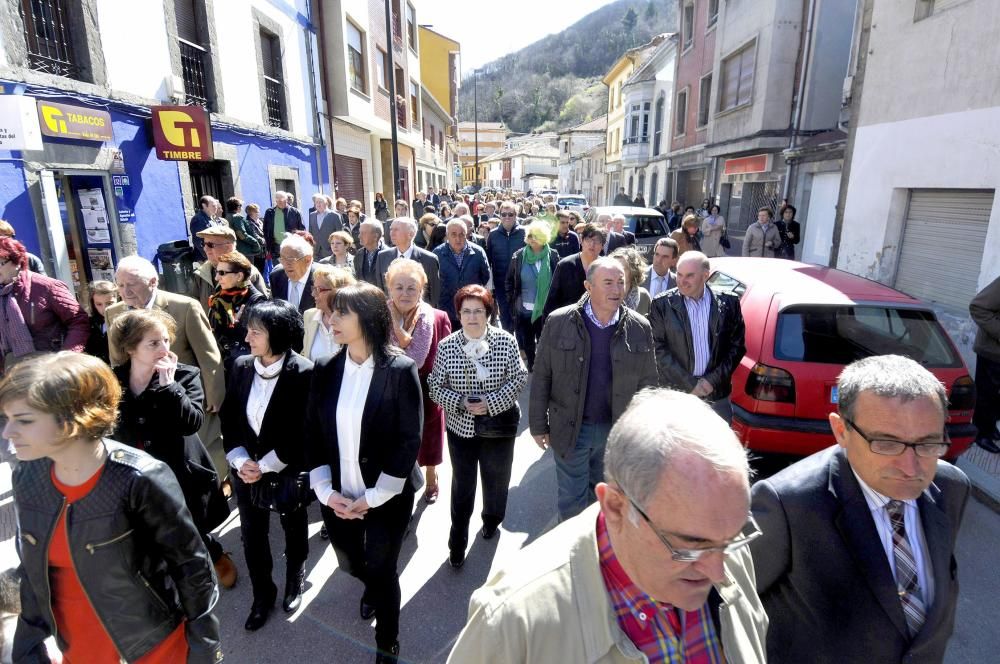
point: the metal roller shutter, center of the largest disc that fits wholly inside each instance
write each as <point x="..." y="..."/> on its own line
<point x="350" y="178"/>
<point x="942" y="248"/>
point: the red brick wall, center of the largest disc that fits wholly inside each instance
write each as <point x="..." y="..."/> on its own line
<point x="691" y="66"/>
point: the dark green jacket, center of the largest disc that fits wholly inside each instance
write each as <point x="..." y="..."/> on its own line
<point x="246" y="242"/>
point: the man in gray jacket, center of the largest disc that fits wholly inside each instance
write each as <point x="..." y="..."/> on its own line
<point x="762" y="239"/>
<point x="592" y="358"/>
<point x="985" y="311"/>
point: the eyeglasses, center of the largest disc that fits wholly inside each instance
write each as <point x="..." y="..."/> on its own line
<point x="321" y="289"/>
<point x="507" y="214"/>
<point x="890" y="447"/>
<point x="223" y="273"/>
<point x="694" y="555"/>
<point x="286" y="260"/>
<point x="213" y="245"/>
<point x="472" y="312"/>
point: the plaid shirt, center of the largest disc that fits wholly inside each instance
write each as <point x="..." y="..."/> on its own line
<point x="654" y="626"/>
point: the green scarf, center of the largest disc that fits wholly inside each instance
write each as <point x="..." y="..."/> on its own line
<point x="544" y="277"/>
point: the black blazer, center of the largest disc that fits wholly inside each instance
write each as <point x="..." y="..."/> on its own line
<point x="361" y="271"/>
<point x="675" y="350"/>
<point x="283" y="427"/>
<point x="823" y="575"/>
<point x="391" y="425"/>
<point x="279" y="288"/>
<point x="615" y="240"/>
<point x="567" y="284"/>
<point x="429" y="261"/>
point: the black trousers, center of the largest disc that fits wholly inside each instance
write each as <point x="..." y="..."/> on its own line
<point x="255" y="526"/>
<point x="987" y="397"/>
<point x="527" y="334"/>
<point x="368" y="549"/>
<point x="493" y="457"/>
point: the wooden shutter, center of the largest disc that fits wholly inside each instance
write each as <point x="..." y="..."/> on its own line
<point x="350" y="183"/>
<point x="187" y="21"/>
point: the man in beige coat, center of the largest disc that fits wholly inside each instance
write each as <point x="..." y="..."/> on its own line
<point x="660" y="561"/>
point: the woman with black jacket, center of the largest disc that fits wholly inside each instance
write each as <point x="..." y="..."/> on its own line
<point x="161" y="410"/>
<point x="111" y="565"/>
<point x="529" y="278"/>
<point x="567" y="280"/>
<point x="263" y="434"/>
<point x="102" y="295"/>
<point x="365" y="419"/>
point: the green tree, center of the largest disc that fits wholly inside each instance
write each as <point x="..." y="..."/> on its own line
<point x="650" y="13"/>
<point x="629" y="20"/>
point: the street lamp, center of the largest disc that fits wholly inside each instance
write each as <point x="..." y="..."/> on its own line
<point x="396" y="188"/>
<point x="475" y="117"/>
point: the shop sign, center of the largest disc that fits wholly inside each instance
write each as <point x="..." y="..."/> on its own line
<point x="182" y="133"/>
<point x="123" y="199"/>
<point x="19" y="124"/>
<point x="758" y="163"/>
<point x="80" y="122"/>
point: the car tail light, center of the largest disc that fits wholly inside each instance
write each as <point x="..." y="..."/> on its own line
<point x="770" y="384"/>
<point x="963" y="394"/>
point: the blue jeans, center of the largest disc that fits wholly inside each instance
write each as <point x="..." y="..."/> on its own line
<point x="579" y="472"/>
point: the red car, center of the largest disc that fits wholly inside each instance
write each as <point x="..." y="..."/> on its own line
<point x="804" y="323"/>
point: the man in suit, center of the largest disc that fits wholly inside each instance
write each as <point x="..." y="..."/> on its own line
<point x="399" y="209"/>
<point x="322" y="222"/>
<point x="292" y="281"/>
<point x="206" y="217"/>
<point x="856" y="563"/>
<point x="618" y="226"/>
<point x="612" y="240"/>
<point x="279" y="221"/>
<point x="661" y="276"/>
<point x="419" y="203"/>
<point x="434" y="199"/>
<point x="371" y="245"/>
<point x="402" y="232"/>
<point x="699" y="336"/>
<point x="461" y="263"/>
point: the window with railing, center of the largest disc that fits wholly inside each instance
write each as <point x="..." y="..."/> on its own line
<point x="193" y="70"/>
<point x="48" y="37"/>
<point x="274" y="92"/>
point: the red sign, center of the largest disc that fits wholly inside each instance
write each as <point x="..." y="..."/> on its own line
<point x="757" y="163"/>
<point x="182" y="133"/>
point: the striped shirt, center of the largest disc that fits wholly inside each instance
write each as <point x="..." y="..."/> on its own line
<point x="661" y="632"/>
<point x="698" y="314"/>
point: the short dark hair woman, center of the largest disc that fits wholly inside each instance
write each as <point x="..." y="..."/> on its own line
<point x="229" y="306"/>
<point x="477" y="372"/>
<point x="364" y="425"/>
<point x="111" y="563"/>
<point x="161" y="410"/>
<point x="262" y="431"/>
<point x="790" y="231"/>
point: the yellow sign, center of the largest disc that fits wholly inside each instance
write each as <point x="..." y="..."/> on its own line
<point x="65" y="121"/>
<point x="182" y="133"/>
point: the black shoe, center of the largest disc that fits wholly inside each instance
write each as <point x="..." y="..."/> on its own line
<point x="258" y="615"/>
<point x="457" y="557"/>
<point x="366" y="610"/>
<point x="293" y="591"/>
<point x="388" y="656"/>
<point x="489" y="531"/>
<point x="988" y="444"/>
<point x="323" y="534"/>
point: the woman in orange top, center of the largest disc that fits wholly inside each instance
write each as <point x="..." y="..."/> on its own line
<point x="111" y="562"/>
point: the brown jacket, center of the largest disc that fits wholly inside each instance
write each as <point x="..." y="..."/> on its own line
<point x="194" y="342"/>
<point x="562" y="363"/>
<point x="985" y="311"/>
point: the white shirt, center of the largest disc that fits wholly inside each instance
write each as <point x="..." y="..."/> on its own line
<point x="914" y="535"/>
<point x="264" y="380"/>
<point x="323" y="344"/>
<point x="405" y="254"/>
<point x="152" y="300"/>
<point x="297" y="288"/>
<point x="657" y="284"/>
<point x="350" y="408"/>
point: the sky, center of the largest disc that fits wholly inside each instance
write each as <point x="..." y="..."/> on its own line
<point x="489" y="29"/>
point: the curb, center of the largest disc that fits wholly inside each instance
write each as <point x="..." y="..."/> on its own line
<point x="985" y="486"/>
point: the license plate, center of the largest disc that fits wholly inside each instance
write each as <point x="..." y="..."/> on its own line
<point x="834" y="396"/>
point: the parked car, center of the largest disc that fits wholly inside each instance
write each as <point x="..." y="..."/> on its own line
<point x="546" y="192"/>
<point x="647" y="224"/>
<point x="804" y="323"/>
<point x="572" y="202"/>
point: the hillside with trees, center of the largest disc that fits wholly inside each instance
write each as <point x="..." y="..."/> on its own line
<point x="556" y="82"/>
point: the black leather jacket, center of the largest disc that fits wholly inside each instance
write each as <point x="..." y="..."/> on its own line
<point x="136" y="552"/>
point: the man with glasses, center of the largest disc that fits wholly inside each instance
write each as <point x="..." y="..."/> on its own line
<point x="501" y="244"/>
<point x="659" y="570"/>
<point x="292" y="281"/>
<point x="856" y="563"/>
<point x="217" y="241"/>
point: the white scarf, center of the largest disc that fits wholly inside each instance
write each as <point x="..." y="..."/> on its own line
<point x="475" y="349"/>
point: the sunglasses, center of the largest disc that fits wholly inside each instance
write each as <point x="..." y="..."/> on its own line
<point x="223" y="273"/>
<point x="507" y="214"/>
<point x="213" y="245"/>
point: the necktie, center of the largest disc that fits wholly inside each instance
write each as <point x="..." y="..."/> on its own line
<point x="658" y="287"/>
<point x="294" y="296"/>
<point x="910" y="594"/>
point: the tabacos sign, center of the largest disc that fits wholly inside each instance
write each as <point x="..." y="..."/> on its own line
<point x="65" y="121"/>
<point x="182" y="133"/>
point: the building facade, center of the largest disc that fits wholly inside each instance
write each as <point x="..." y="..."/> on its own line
<point x="437" y="158"/>
<point x="240" y="117"/>
<point x="574" y="144"/>
<point x="484" y="139"/>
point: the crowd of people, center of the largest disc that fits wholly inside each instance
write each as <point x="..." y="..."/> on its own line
<point x="338" y="376"/>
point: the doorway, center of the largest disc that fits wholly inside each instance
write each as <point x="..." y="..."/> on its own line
<point x="206" y="180"/>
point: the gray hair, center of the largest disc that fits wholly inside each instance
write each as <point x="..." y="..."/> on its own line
<point x="460" y="209"/>
<point x="455" y="221"/>
<point x="296" y="243"/>
<point x="658" y="427"/>
<point x="138" y="266"/>
<point x="280" y="194"/>
<point x="373" y="225"/>
<point x="617" y="216"/>
<point x="603" y="262"/>
<point x="890" y="377"/>
<point x="409" y="222"/>
<point x="695" y="256"/>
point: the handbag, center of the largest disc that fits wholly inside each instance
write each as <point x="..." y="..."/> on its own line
<point x="502" y="425"/>
<point x="281" y="493"/>
<point x="724" y="240"/>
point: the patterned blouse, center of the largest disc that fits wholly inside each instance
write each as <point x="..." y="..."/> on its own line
<point x="454" y="378"/>
<point x="420" y="337"/>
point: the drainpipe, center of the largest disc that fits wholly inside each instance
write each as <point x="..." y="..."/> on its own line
<point x="325" y="82"/>
<point x="800" y="92"/>
<point x="317" y="129"/>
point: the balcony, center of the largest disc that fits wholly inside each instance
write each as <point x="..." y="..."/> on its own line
<point x="193" y="66"/>
<point x="635" y="151"/>
<point x="48" y="37"/>
<point x="275" y="99"/>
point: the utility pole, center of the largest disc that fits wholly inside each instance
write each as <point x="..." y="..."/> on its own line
<point x="392" y="104"/>
<point x="475" y="113"/>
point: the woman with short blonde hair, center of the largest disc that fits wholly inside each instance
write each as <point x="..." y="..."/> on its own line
<point x="341" y="248"/>
<point x="327" y="280"/>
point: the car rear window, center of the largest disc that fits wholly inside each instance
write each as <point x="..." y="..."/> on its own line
<point x="572" y="201"/>
<point x="841" y="335"/>
<point x="646" y="226"/>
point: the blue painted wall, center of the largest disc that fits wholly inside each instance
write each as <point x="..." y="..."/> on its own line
<point x="16" y="205"/>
